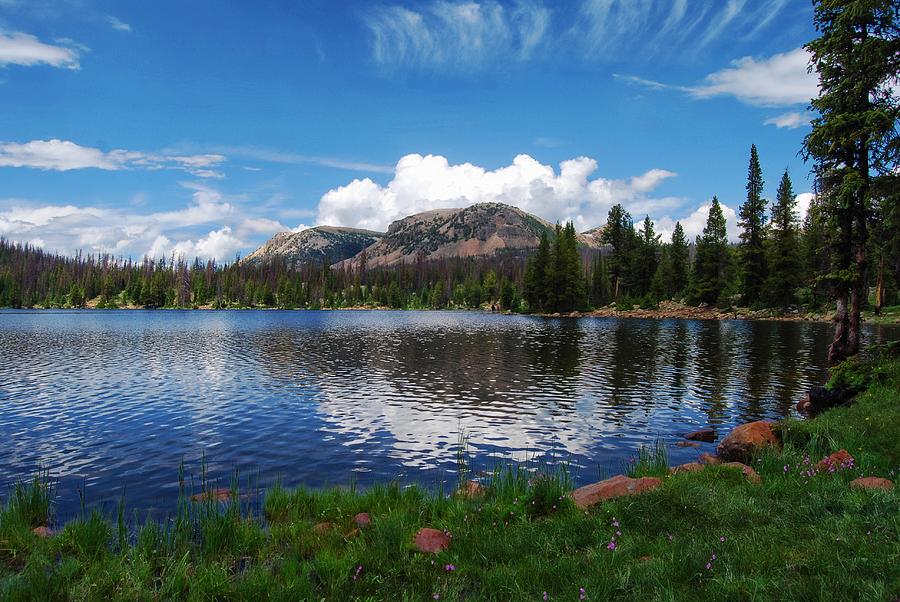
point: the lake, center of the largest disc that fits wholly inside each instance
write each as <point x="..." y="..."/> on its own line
<point x="113" y="401"/>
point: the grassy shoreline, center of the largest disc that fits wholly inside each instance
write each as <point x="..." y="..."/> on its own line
<point x="710" y="534"/>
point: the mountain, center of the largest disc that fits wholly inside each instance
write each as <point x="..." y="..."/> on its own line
<point x="322" y="244"/>
<point x="478" y="230"/>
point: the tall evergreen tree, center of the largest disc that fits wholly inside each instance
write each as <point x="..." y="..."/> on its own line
<point x="619" y="234"/>
<point x="853" y="138"/>
<point x="712" y="260"/>
<point x="752" y="220"/>
<point x="644" y="258"/>
<point x="678" y="255"/>
<point x="600" y="294"/>
<point x="784" y="252"/>
<point x="535" y="291"/>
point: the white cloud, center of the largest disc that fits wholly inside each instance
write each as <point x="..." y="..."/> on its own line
<point x="17" y="48"/>
<point x="221" y="244"/>
<point x="780" y="80"/>
<point x="118" y="24"/>
<point x="209" y="226"/>
<point x="694" y="223"/>
<point x="63" y="155"/>
<point x="456" y="33"/>
<point x="803" y="201"/>
<point x="431" y="182"/>
<point x="791" y="121"/>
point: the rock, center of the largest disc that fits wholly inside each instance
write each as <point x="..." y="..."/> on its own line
<point x="836" y="461"/>
<point x="362" y="520"/>
<point x="645" y="558"/>
<point x="689" y="467"/>
<point x="872" y="483"/>
<point x="352" y="534"/>
<point x="740" y="444"/>
<point x="222" y="494"/>
<point x="750" y="474"/>
<point x="42" y="532"/>
<point x="820" y="398"/>
<point x="618" y="486"/>
<point x="431" y="541"/>
<point x="472" y="489"/>
<point x="322" y="528"/>
<point x="687" y="444"/>
<point x="709" y="459"/>
<point x="707" y="435"/>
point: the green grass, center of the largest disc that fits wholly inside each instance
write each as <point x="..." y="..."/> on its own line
<point x="793" y="537"/>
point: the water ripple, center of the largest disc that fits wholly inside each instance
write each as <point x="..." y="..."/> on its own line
<point x="114" y="401"/>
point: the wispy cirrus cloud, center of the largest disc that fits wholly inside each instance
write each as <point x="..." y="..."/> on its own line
<point x="269" y="155"/>
<point x="64" y="155"/>
<point x="118" y="24"/>
<point x="453" y="34"/>
<point x="779" y="80"/>
<point x="18" y="48"/>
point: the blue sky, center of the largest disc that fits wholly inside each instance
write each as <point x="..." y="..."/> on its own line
<point x="202" y="128"/>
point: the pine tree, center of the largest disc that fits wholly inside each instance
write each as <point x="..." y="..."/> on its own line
<point x="644" y="258"/>
<point x="535" y="273"/>
<point x="619" y="234"/>
<point x="853" y="138"/>
<point x="600" y="290"/>
<point x="753" y="222"/>
<point x="712" y="260"/>
<point x="784" y="260"/>
<point x="678" y="255"/>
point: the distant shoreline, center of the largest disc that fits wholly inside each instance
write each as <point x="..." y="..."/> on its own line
<point x="668" y="310"/>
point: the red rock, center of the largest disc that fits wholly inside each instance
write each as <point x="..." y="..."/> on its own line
<point x="362" y="520"/>
<point x="839" y="459"/>
<point x="689" y="467"/>
<point x="618" y="486"/>
<point x="42" y="532"/>
<point x="709" y="459"/>
<point x="687" y="444"/>
<point x="223" y="494"/>
<point x="750" y="474"/>
<point x="872" y="483"/>
<point x="741" y="443"/>
<point x="431" y="541"/>
<point x="472" y="489"/>
<point x="707" y="435"/>
<point x="322" y="528"/>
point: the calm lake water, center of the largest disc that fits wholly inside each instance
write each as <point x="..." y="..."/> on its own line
<point x="116" y="400"/>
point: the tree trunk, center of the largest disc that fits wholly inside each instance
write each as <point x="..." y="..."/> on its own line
<point x="879" y="287"/>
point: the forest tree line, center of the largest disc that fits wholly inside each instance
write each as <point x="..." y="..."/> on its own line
<point x="779" y="262"/>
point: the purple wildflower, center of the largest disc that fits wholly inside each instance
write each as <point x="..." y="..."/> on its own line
<point x="581" y="594"/>
<point x="546" y="597"/>
<point x="449" y="568"/>
<point x="611" y="545"/>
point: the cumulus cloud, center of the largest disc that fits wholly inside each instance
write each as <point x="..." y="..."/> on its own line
<point x="791" y="121"/>
<point x="64" y="155"/>
<point x="421" y="183"/>
<point x="779" y="80"/>
<point x="456" y="34"/>
<point x="694" y="222"/>
<point x="208" y="226"/>
<point x="17" y="48"/>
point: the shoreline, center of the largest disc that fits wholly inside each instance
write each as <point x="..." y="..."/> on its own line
<point x="668" y="310"/>
<point x="799" y="494"/>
